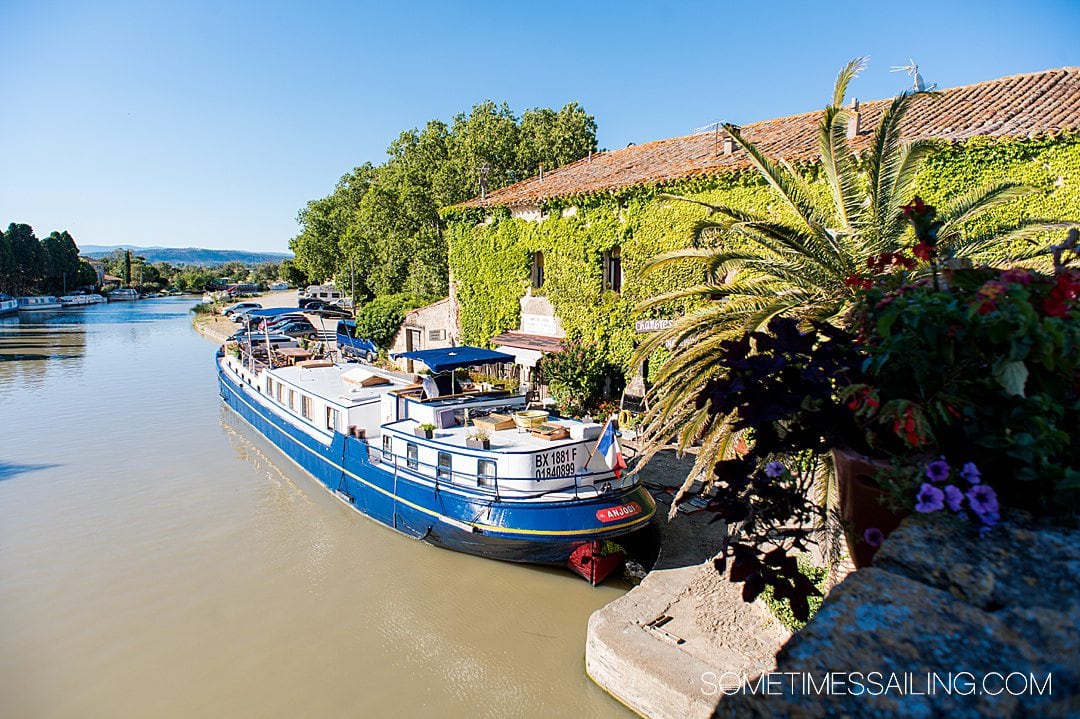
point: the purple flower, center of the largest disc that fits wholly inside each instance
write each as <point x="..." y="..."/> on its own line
<point x="971" y="473"/>
<point x="774" y="470"/>
<point x="937" y="471"/>
<point x="930" y="499"/>
<point x="953" y="498"/>
<point x="874" y="537"/>
<point x="984" y="502"/>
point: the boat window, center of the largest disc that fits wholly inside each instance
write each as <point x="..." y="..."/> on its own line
<point x="445" y="471"/>
<point x="270" y="386"/>
<point x="388" y="447"/>
<point x="279" y="391"/>
<point x="485" y="473"/>
<point x="292" y="400"/>
<point x="410" y="456"/>
<point x="305" y="407"/>
<point x="332" y="418"/>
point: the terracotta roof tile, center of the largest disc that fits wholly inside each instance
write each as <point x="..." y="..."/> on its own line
<point x="1029" y="105"/>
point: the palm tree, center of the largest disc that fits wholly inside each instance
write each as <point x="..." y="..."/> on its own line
<point x="800" y="266"/>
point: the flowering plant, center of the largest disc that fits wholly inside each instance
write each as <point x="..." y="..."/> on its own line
<point x="937" y="486"/>
<point x="974" y="364"/>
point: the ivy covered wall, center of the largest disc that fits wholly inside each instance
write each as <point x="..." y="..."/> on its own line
<point x="490" y="254"/>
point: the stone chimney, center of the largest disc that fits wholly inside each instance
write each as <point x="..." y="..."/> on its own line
<point x="854" y="123"/>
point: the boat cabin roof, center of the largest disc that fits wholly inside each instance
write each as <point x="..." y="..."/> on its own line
<point x="339" y="384"/>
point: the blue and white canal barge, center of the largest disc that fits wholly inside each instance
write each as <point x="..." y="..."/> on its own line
<point x="358" y="430"/>
<point x="8" y="304"/>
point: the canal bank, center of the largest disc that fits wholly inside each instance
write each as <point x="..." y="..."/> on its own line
<point x="659" y="648"/>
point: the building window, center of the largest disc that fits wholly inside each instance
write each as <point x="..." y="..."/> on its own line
<point x="445" y="471"/>
<point x="538" y="270"/>
<point x="410" y="456"/>
<point x="613" y="269"/>
<point x="485" y="473"/>
<point x="332" y="416"/>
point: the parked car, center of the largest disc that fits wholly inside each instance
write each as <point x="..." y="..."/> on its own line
<point x="240" y="306"/>
<point x="278" y="320"/>
<point x="298" y="328"/>
<point x="351" y="346"/>
<point x="242" y="314"/>
<point x="313" y="304"/>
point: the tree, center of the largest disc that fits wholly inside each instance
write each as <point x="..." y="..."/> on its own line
<point x="7" y="264"/>
<point x="61" y="260"/>
<point x="127" y="268"/>
<point x="25" y="257"/>
<point x="293" y="274"/>
<point x="319" y="246"/>
<point x="800" y="264"/>
<point x="555" y="139"/>
<point x="383" y="222"/>
<point x="85" y="276"/>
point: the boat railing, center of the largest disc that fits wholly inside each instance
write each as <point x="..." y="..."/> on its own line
<point x="578" y="483"/>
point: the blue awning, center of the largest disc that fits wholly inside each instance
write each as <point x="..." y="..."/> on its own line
<point x="272" y="311"/>
<point x="448" y="358"/>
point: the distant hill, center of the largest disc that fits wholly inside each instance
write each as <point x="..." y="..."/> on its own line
<point x="187" y="255"/>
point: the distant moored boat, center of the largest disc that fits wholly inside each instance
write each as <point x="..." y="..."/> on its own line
<point x="80" y="300"/>
<point x="31" y="303"/>
<point x="8" y="304"/>
<point x="125" y="295"/>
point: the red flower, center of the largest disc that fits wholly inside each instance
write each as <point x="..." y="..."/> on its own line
<point x="924" y="251"/>
<point x="916" y="206"/>
<point x="858" y="282"/>
<point x="1059" y="300"/>
<point x="1016" y="274"/>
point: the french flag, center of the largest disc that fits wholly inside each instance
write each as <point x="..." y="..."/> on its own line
<point x="608" y="447"/>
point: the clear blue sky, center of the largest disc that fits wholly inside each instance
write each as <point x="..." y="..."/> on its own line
<point x="212" y="123"/>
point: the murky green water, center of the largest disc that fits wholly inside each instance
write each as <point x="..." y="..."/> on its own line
<point x="159" y="559"/>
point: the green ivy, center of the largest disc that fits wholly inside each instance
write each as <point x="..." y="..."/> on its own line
<point x="490" y="252"/>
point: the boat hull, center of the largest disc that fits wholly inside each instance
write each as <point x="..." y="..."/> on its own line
<point x="479" y="524"/>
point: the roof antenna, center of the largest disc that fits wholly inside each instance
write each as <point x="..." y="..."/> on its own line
<point x="714" y="128"/>
<point x="918" y="85"/>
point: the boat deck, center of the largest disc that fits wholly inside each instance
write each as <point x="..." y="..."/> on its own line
<point x="504" y="440"/>
<point x="330" y="383"/>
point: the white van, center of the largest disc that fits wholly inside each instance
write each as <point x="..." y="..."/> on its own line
<point x="326" y="293"/>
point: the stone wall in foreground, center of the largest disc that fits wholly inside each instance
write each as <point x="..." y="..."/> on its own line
<point x="989" y="618"/>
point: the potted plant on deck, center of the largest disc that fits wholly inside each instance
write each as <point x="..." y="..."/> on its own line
<point x="478" y="439"/>
<point x="426" y="430"/>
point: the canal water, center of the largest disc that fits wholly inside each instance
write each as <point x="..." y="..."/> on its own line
<point x="158" y="558"/>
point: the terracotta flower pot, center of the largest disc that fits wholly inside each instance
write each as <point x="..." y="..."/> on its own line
<point x="863" y="503"/>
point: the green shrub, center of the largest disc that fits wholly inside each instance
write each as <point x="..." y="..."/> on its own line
<point x="380" y="319"/>
<point x="781" y="608"/>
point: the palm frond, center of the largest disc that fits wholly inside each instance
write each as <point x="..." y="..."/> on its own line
<point x="975" y="202"/>
<point x="847" y="73"/>
<point x="780" y="180"/>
